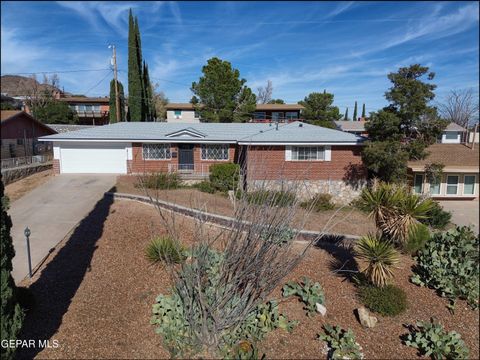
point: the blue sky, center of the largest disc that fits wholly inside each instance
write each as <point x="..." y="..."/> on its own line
<point x="346" y="48"/>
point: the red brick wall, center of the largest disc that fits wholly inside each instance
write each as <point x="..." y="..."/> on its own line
<point x="138" y="165"/>
<point x="268" y="163"/>
<point x="56" y="166"/>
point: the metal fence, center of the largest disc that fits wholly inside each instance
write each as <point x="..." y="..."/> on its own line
<point x="190" y="170"/>
<point x="26" y="160"/>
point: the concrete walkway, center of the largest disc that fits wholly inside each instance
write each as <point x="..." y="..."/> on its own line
<point x="51" y="211"/>
<point x="463" y="212"/>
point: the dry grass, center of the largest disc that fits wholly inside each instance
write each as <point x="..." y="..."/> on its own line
<point x="94" y="295"/>
<point x="19" y="188"/>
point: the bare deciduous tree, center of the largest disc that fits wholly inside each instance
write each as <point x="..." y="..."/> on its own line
<point x="265" y="93"/>
<point x="160" y="101"/>
<point x="460" y="107"/>
<point x="38" y="94"/>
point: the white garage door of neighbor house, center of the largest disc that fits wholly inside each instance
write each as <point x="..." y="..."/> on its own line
<point x="92" y="158"/>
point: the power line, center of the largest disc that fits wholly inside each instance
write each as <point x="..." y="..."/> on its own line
<point x="98" y="83"/>
<point x="55" y="72"/>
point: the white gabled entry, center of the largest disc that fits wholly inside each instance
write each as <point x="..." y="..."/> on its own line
<point x="92" y="157"/>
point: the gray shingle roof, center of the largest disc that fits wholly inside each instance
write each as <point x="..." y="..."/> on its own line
<point x="295" y="132"/>
<point x="347" y="125"/>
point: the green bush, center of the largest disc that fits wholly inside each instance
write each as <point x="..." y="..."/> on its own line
<point x="387" y="301"/>
<point x="224" y="177"/>
<point x="310" y="293"/>
<point x="437" y="218"/>
<point x="205" y="186"/>
<point x="270" y="197"/>
<point x="320" y="202"/>
<point x="449" y="264"/>
<point x="165" y="249"/>
<point x="431" y="339"/>
<point x="418" y="236"/>
<point x="278" y="235"/>
<point x="341" y="343"/>
<point x="159" y="181"/>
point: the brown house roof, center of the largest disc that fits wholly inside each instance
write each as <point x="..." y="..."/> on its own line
<point x="7" y="114"/>
<point x="179" y="106"/>
<point x="81" y="99"/>
<point x="458" y="157"/>
<point x="11" y="115"/>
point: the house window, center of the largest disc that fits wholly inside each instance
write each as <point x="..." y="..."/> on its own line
<point x="291" y="115"/>
<point x="469" y="184"/>
<point x="435" y="187"/>
<point x="96" y="108"/>
<point x="156" y="152"/>
<point x="178" y="114"/>
<point x="19" y="141"/>
<point x="418" y="184"/>
<point x="215" y="152"/>
<point x="451" y="135"/>
<point x="452" y="184"/>
<point x="277" y="115"/>
<point x="259" y="115"/>
<point x="308" y="153"/>
<point x="88" y="107"/>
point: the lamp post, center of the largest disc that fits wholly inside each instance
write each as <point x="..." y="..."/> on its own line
<point x="27" y="233"/>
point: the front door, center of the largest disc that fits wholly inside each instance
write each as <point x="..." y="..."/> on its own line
<point x="185" y="157"/>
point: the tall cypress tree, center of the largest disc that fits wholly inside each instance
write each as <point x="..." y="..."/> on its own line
<point x="135" y="93"/>
<point x="355" y="112"/>
<point x="346" y="114"/>
<point x="141" y="64"/>
<point x="363" y="111"/>
<point x="11" y="313"/>
<point x="150" y="107"/>
<point x="113" y="103"/>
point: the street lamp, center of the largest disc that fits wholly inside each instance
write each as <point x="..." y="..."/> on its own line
<point x="27" y="233"/>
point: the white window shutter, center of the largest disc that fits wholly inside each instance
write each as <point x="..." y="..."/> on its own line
<point x="328" y="153"/>
<point x="288" y="153"/>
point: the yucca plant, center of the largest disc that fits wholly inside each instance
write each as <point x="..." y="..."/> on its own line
<point x="379" y="257"/>
<point x="165" y="249"/>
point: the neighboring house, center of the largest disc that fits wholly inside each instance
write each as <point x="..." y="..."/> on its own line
<point x="90" y="110"/>
<point x="352" y="127"/>
<point x="453" y="134"/>
<point x="62" y="128"/>
<point x="185" y="113"/>
<point x="323" y="160"/>
<point x="20" y="132"/>
<point x="460" y="173"/>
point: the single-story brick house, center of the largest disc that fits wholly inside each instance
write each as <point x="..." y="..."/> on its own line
<point x="459" y="179"/>
<point x="326" y="160"/>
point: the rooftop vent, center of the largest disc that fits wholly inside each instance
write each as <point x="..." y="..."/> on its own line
<point x="300" y="125"/>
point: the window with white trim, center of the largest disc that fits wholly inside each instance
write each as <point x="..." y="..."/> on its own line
<point x="215" y="152"/>
<point x="156" y="152"/>
<point x="418" y="184"/>
<point x="308" y="153"/>
<point x="452" y="184"/>
<point x="469" y="184"/>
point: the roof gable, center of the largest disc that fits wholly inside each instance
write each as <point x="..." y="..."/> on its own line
<point x="187" y="132"/>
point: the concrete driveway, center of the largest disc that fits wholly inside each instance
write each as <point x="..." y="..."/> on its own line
<point x="463" y="212"/>
<point x="51" y="211"/>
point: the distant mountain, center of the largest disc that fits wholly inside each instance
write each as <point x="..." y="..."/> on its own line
<point x="14" y="85"/>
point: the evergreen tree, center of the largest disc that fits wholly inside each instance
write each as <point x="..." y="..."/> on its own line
<point x="363" y="111"/>
<point x="149" y="103"/>
<point x="319" y="109"/>
<point x="11" y="313"/>
<point x="346" y="115"/>
<point x="135" y="82"/>
<point x="355" y="112"/>
<point x="113" y="103"/>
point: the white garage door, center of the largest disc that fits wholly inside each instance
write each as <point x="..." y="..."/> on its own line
<point x="93" y="158"/>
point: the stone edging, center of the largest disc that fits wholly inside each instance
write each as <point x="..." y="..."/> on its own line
<point x="226" y="221"/>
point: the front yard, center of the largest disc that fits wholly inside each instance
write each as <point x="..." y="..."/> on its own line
<point x="95" y="295"/>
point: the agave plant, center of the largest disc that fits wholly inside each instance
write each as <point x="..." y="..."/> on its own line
<point x="379" y="257"/>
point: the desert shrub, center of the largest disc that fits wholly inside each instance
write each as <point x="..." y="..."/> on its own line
<point x="320" y="202"/>
<point x="379" y="257"/>
<point x="340" y="343"/>
<point x="270" y="197"/>
<point x="159" y="181"/>
<point x="418" y="236"/>
<point x="310" y="293"/>
<point x="172" y="316"/>
<point x="280" y="235"/>
<point x="437" y="218"/>
<point x="165" y="249"/>
<point x="431" y="339"/>
<point x="205" y="186"/>
<point x="387" y="301"/>
<point x="224" y="177"/>
<point x="449" y="264"/>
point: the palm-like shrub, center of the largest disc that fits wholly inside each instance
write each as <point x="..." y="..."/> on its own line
<point x="394" y="208"/>
<point x="165" y="249"/>
<point x="379" y="257"/>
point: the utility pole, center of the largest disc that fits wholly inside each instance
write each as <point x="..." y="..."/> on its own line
<point x="117" y="99"/>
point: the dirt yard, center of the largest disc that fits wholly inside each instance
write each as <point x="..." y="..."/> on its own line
<point x="95" y="293"/>
<point x="17" y="189"/>
<point x="347" y="221"/>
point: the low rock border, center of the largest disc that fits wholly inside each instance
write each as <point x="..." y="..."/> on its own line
<point x="226" y="221"/>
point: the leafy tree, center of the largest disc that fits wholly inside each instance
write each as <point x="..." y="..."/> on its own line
<point x="11" y="312"/>
<point x="113" y="103"/>
<point x="135" y="79"/>
<point x="383" y="126"/>
<point x="363" y="111"/>
<point x="7" y="106"/>
<point x="345" y="117"/>
<point x="386" y="159"/>
<point x="222" y="93"/>
<point x="355" y="112"/>
<point x="55" y="112"/>
<point x="276" y="101"/>
<point x="319" y="109"/>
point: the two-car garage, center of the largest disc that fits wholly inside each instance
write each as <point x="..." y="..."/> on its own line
<point x="92" y="157"/>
